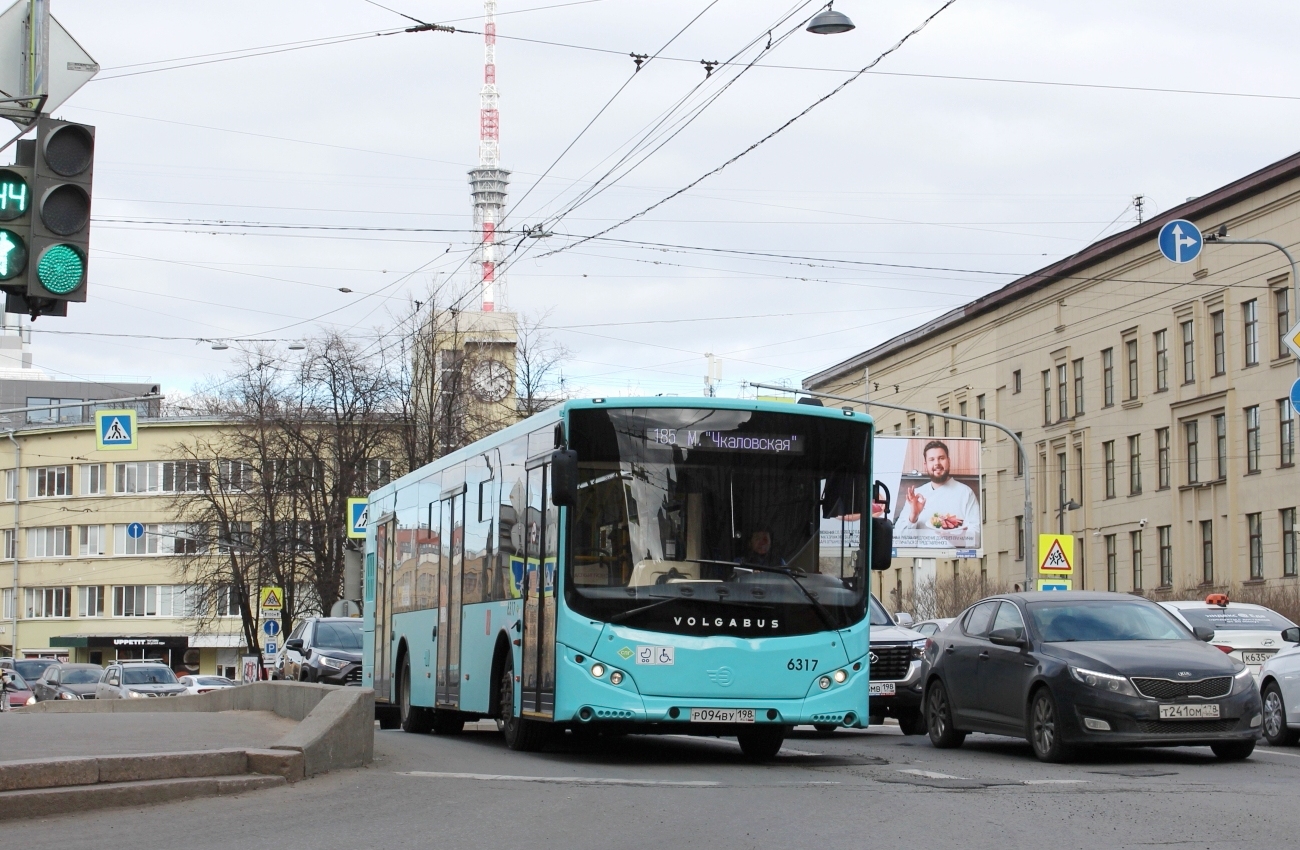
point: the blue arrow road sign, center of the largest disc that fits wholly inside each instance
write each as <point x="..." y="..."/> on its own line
<point x="1180" y="241"/>
<point x="135" y="531"/>
<point x="1295" y="396"/>
<point x="271" y="627"/>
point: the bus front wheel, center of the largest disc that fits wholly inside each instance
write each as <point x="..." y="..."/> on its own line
<point x="762" y="742"/>
<point x="520" y="732"/>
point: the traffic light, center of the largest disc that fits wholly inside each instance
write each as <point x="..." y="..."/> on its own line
<point x="16" y="226"/>
<point x="59" y="200"/>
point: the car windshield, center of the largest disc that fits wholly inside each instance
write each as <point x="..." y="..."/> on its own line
<point x="214" y="681"/>
<point x="879" y="616"/>
<point x="83" y="676"/>
<point x="1104" y="619"/>
<point x="1237" y="619"/>
<point x="16" y="681"/>
<point x="32" y="669"/>
<point x="344" y="636"/>
<point x="151" y="675"/>
<point x="715" y="512"/>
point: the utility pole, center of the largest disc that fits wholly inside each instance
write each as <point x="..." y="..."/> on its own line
<point x="1138" y="202"/>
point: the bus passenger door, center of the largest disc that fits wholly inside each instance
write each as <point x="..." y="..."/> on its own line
<point x="538" y="686"/>
<point x="384" y="535"/>
<point x="450" y="567"/>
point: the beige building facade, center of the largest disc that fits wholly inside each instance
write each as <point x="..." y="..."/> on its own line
<point x="78" y="582"/>
<point x="1154" y="395"/>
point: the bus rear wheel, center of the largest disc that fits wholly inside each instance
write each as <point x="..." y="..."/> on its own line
<point x="761" y="743"/>
<point x="520" y="733"/>
<point x="414" y="718"/>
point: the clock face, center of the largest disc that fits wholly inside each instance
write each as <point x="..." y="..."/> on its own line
<point x="491" y="381"/>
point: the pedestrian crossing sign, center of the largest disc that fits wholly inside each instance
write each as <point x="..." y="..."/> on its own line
<point x="114" y="429"/>
<point x="1056" y="554"/>
<point x="357" y="517"/>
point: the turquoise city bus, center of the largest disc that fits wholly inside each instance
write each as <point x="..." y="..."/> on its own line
<point x="630" y="565"/>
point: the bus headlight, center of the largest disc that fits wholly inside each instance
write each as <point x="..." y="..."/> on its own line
<point x="840" y="677"/>
<point x="598" y="670"/>
<point x="616" y="678"/>
<point x="824" y="682"/>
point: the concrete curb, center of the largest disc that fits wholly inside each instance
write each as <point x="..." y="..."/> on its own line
<point x="34" y="774"/>
<point x="73" y="798"/>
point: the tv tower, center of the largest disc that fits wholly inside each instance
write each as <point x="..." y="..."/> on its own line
<point x="488" y="182"/>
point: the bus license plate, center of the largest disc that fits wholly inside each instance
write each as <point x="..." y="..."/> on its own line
<point x="722" y="715"/>
<point x="880" y="689"/>
<point x="1189" y="712"/>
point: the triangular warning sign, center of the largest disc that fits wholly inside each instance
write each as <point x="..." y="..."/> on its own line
<point x="115" y="433"/>
<point x="271" y="599"/>
<point x="1055" y="560"/>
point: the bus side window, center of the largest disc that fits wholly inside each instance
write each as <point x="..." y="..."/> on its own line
<point x="509" y="534"/>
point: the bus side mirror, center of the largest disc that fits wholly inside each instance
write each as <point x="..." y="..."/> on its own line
<point x="564" y="478"/>
<point x="882" y="543"/>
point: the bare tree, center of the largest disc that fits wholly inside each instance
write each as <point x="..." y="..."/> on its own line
<point x="539" y="359"/>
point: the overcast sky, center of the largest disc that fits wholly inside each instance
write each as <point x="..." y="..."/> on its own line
<point x="916" y="166"/>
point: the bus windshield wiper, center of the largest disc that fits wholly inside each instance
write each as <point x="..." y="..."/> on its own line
<point x="793" y="574"/>
<point x="628" y="614"/>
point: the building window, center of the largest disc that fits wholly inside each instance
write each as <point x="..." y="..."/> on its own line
<point x="228" y="601"/>
<point x="1288" y="542"/>
<point x="1285" y="432"/>
<point x="945" y="421"/>
<point x="1162" y="362"/>
<point x="1255" y="534"/>
<point x="1107" y="378"/>
<point x="1062" y="481"/>
<point x="1189" y="351"/>
<point x="52" y="542"/>
<point x="140" y="477"/>
<point x="1020" y="458"/>
<point x="1078" y="387"/>
<point x="1135" y="540"/>
<point x="92" y="541"/>
<point x="911" y="426"/>
<point x="1193" y="462"/>
<point x="7" y="603"/>
<point x="1166" y="535"/>
<point x="11" y="550"/>
<point x="235" y="537"/>
<point x="46" y="481"/>
<point x="1220" y="343"/>
<point x="236" y="476"/>
<point x="1047" y="397"/>
<point x="11" y="484"/>
<point x="981" y="412"/>
<point x="1131" y="347"/>
<point x="929" y="425"/>
<point x="1020" y="538"/>
<point x="1162" y="458"/>
<point x="1015" y="382"/>
<point x="379" y="472"/>
<point x="1220" y="422"/>
<point x="90" y="601"/>
<point x="1282" y="304"/>
<point x="1112" y="565"/>
<point x="1135" y="464"/>
<point x="45" y="602"/>
<point x="1108" y="456"/>
<point x="1078" y="464"/>
<point x="1062" y="393"/>
<point x="125" y="544"/>
<point x="1207" y="551"/>
<point x="1250" y="322"/>
<point x="150" y="600"/>
<point x="93" y="481"/>
<point x="74" y="412"/>
<point x="1252" y="439"/>
<point x="961" y="411"/>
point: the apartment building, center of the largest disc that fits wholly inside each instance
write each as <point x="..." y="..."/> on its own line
<point x="1153" y="395"/>
<point x="94" y="549"/>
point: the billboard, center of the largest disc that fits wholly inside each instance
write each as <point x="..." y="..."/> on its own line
<point x="935" y="483"/>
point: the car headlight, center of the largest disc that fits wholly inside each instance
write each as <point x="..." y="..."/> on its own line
<point x="134" y="694"/>
<point x="918" y="648"/>
<point x="333" y="663"/>
<point x="67" y="695"/>
<point x="31" y="700"/>
<point x="1242" y="678"/>
<point x="1107" y="682"/>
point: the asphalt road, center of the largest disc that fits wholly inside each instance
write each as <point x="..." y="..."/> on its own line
<point x="852" y="790"/>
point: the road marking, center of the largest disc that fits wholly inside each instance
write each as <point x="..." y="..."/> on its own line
<point x="560" y="780"/>
<point x="1263" y="752"/>
<point x="930" y="774"/>
<point x="1051" y="781"/>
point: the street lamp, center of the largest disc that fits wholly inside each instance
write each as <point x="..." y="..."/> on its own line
<point x="829" y="22"/>
<point x="1071" y="505"/>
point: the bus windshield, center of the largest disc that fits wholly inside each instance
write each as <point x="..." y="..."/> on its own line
<point x="705" y="520"/>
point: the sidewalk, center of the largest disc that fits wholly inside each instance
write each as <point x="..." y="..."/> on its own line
<point x="34" y="736"/>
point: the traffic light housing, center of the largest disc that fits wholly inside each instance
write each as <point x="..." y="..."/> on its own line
<point x="59" y="193"/>
<point x="16" y="226"/>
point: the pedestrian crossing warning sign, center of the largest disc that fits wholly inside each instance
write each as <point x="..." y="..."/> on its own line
<point x="272" y="598"/>
<point x="1056" y="554"/>
<point x="114" y="429"/>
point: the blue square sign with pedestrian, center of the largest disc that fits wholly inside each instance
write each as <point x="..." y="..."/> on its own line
<point x="114" y="429"/>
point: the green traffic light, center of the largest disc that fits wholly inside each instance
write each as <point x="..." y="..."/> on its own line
<point x="61" y="269"/>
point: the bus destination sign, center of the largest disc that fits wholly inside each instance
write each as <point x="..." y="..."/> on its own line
<point x="727" y="441"/>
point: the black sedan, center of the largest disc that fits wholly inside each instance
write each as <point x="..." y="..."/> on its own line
<point x="67" y="681"/>
<point x="1071" y="669"/>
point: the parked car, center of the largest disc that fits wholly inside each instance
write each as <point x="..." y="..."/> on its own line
<point x="68" y="681"/>
<point x="324" y="649"/>
<point x="132" y="679"/>
<point x="895" y="670"/>
<point x="29" y="668"/>
<point x="1250" y="633"/>
<point x="17" y="689"/>
<point x="203" y="684"/>
<point x="1081" y="668"/>
<point x="1279" y="687"/>
<point x="932" y="626"/>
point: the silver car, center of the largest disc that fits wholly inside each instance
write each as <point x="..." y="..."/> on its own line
<point x="1279" y="688"/>
<point x="132" y="680"/>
